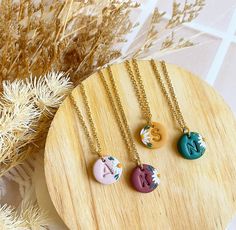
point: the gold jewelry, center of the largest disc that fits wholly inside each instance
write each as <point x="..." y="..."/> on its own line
<point x="107" y="169"/>
<point x="93" y="140"/>
<point x="139" y="90"/>
<point x="153" y="134"/>
<point x="145" y="178"/>
<point x="191" y="145"/>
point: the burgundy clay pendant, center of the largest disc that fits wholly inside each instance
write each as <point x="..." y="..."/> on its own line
<point x="145" y="179"/>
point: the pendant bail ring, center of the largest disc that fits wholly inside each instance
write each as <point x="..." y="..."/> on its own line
<point x="186" y="130"/>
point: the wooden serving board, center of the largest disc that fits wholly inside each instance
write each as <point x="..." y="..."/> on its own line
<point x="197" y="194"/>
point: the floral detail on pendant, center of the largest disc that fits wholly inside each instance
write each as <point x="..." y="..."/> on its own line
<point x="116" y="165"/>
<point x="145" y="136"/>
<point x="155" y="176"/>
<point x="201" y="141"/>
<point x="154" y="136"/>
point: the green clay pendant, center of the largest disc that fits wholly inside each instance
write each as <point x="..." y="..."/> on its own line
<point x="191" y="145"/>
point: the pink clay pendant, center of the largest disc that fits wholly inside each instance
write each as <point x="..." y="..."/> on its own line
<point x="107" y="170"/>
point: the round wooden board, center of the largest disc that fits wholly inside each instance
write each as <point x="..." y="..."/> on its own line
<point x="197" y="194"/>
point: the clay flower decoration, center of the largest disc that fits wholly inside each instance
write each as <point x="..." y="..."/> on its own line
<point x="117" y="166"/>
<point x="156" y="177"/>
<point x="145" y="136"/>
<point x="201" y="142"/>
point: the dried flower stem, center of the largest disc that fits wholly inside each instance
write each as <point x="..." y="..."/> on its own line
<point x="26" y="109"/>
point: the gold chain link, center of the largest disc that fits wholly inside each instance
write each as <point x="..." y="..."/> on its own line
<point x="94" y="145"/>
<point x="139" y="90"/>
<point x="170" y="96"/>
<point x="120" y="114"/>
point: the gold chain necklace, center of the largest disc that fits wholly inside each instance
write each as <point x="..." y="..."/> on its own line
<point x="153" y="134"/>
<point x="144" y="178"/>
<point x="191" y="145"/>
<point x="107" y="169"/>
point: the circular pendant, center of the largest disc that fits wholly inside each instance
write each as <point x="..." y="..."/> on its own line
<point x="107" y="170"/>
<point x="145" y="179"/>
<point x="191" y="145"/>
<point x="154" y="136"/>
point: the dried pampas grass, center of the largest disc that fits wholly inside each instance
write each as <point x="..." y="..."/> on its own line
<point x="78" y="37"/>
<point x="70" y="36"/>
<point x="26" y="108"/>
<point x="9" y="219"/>
<point x="30" y="217"/>
<point x="33" y="217"/>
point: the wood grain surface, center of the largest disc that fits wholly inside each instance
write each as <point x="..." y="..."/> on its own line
<point x="197" y="194"/>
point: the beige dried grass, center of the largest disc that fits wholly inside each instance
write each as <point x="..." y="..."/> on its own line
<point x="27" y="107"/>
<point x="77" y="37"/>
<point x="71" y="36"/>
